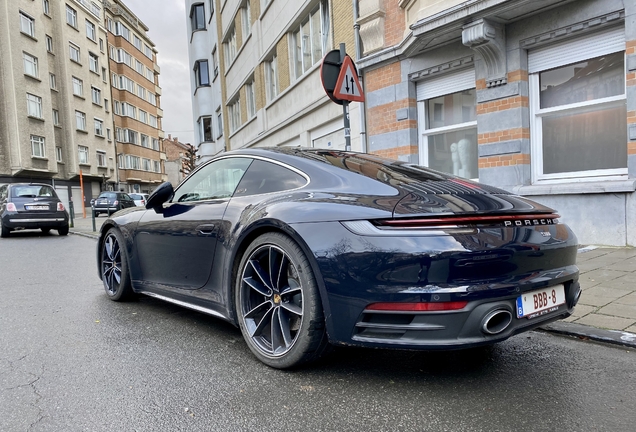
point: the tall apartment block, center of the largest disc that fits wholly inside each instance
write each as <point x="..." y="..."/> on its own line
<point x="535" y="97"/>
<point x="256" y="73"/>
<point x="55" y="121"/>
<point x="134" y="75"/>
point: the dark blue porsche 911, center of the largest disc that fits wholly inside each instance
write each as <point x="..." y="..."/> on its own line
<point x="303" y="248"/>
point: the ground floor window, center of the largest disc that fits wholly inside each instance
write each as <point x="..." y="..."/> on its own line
<point x="447" y="124"/>
<point x="578" y="109"/>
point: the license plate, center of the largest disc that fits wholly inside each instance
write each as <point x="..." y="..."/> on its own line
<point x="540" y="302"/>
<point x="37" y="207"/>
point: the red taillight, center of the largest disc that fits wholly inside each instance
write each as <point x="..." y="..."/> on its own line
<point x="143" y="202"/>
<point x="60" y="206"/>
<point x="464" y="220"/>
<point x="418" y="307"/>
<point x="11" y="207"/>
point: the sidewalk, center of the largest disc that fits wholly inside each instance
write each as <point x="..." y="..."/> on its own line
<point x="607" y="308"/>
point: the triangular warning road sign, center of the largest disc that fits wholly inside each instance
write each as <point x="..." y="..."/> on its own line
<point x="348" y="86"/>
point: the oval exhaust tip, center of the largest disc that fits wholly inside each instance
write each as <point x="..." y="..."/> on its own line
<point x="496" y="321"/>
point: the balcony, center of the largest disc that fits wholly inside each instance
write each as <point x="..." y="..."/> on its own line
<point x="157" y="68"/>
<point x="159" y="112"/>
<point x="158" y="90"/>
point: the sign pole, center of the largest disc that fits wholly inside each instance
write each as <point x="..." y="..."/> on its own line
<point x="345" y="107"/>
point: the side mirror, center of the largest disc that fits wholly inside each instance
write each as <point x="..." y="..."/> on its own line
<point x="161" y="195"/>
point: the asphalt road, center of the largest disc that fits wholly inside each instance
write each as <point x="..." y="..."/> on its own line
<point x="72" y="360"/>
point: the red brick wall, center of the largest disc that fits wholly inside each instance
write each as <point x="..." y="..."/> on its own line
<point x="394" y="23"/>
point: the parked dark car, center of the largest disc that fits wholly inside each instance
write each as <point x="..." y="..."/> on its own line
<point x="31" y="206"/>
<point x="301" y="248"/>
<point x="110" y="202"/>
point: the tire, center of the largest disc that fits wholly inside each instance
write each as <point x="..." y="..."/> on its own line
<point x="281" y="321"/>
<point x="95" y="213"/>
<point x="63" y="231"/>
<point x="45" y="230"/>
<point x="4" y="231"/>
<point x="113" y="267"/>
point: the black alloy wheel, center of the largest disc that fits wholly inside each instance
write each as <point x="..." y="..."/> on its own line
<point x="114" y="266"/>
<point x="278" y="303"/>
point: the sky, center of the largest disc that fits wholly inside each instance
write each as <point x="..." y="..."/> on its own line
<point x="166" y="20"/>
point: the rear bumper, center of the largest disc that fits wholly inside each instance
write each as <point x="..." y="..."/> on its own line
<point x="31" y="221"/>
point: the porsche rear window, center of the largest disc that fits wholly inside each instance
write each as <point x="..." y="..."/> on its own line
<point x="32" y="191"/>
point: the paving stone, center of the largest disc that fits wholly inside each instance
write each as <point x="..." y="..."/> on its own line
<point x="600" y="276"/>
<point x="627" y="265"/>
<point x="628" y="299"/>
<point x="600" y="296"/>
<point x="581" y="310"/>
<point x="605" y="321"/>
<point x="571" y="318"/>
<point x="631" y="329"/>
<point x="627" y="282"/>
<point x="622" y="252"/>
<point x="593" y="254"/>
<point x="619" y="310"/>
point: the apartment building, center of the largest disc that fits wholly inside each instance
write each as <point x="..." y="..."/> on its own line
<point x="55" y="121"/>
<point x="136" y="95"/>
<point x="256" y="73"/>
<point x="536" y="97"/>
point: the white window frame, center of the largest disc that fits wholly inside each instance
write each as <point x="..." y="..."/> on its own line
<point x="46" y="7"/>
<point x="99" y="127"/>
<point x="537" y="113"/>
<point x="52" y="81"/>
<point x="71" y="16"/>
<point x="230" y="47"/>
<point x="246" y="20"/>
<point x="80" y="120"/>
<point x="56" y="117"/>
<point x="271" y="78"/>
<point x="78" y="87"/>
<point x="93" y="62"/>
<point x="49" y="44"/>
<point x="250" y="95"/>
<point x="34" y="105"/>
<point x="444" y="85"/>
<point x="38" y="145"/>
<point x="323" y="34"/>
<point x="234" y="113"/>
<point x="91" y="32"/>
<point x="27" y="24"/>
<point x="96" y="96"/>
<point x="30" y="65"/>
<point x="74" y="52"/>
<point x="58" y="154"/>
<point x="101" y="158"/>
<point x="82" y="155"/>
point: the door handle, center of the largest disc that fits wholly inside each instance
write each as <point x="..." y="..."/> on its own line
<point x="205" y="229"/>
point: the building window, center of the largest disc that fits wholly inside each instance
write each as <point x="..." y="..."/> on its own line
<point x="49" y="44"/>
<point x="46" y="7"/>
<point x="578" y="113"/>
<point x="37" y="146"/>
<point x="150" y="75"/>
<point x="90" y="31"/>
<point x="108" y="133"/>
<point x="101" y="44"/>
<point x="215" y="63"/>
<point x="58" y="154"/>
<point x="104" y="74"/>
<point x="145" y="141"/>
<point x="96" y="95"/>
<point x="93" y="62"/>
<point x="152" y="99"/>
<point x="230" y="47"/>
<point x="52" y="81"/>
<point x="78" y="87"/>
<point x="201" y="74"/>
<point x="56" y="117"/>
<point x="146" y="164"/>
<point x="128" y="110"/>
<point x="27" y="24"/>
<point x="152" y="121"/>
<point x="34" y="106"/>
<point x="139" y="67"/>
<point x="74" y="52"/>
<point x="251" y="99"/>
<point x="143" y="116"/>
<point x="137" y="42"/>
<point x="449" y="138"/>
<point x="117" y="107"/>
<point x="148" y="51"/>
<point x="311" y="39"/>
<point x="101" y="159"/>
<point x="271" y="78"/>
<point x="83" y="155"/>
<point x="246" y="20"/>
<point x="157" y="166"/>
<point x="80" y="120"/>
<point x="219" y="124"/>
<point x="71" y="16"/>
<point x="30" y="65"/>
<point x="155" y="144"/>
<point x="206" y="129"/>
<point x="234" y="111"/>
<point x="99" y="127"/>
<point x="141" y="92"/>
<point x="197" y="16"/>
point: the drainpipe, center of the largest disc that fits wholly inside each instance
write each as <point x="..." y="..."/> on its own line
<point x="356" y="36"/>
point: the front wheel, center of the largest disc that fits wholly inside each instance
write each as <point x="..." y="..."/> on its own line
<point x="113" y="266"/>
<point x="278" y="303"/>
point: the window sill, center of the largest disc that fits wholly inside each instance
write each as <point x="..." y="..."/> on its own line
<point x="84" y="164"/>
<point x="264" y="11"/>
<point x="79" y="97"/>
<point x="100" y="136"/>
<point x="96" y="73"/>
<point x="60" y="162"/>
<point x="73" y="27"/>
<point x="96" y="104"/>
<point x="29" y="36"/>
<point x="42" y="158"/>
<point x="55" y="90"/>
<point x="32" y="77"/>
<point x="58" y="126"/>
<point x="82" y="131"/>
<point x="36" y="118"/>
<point x="609" y="186"/>
<point x="76" y="62"/>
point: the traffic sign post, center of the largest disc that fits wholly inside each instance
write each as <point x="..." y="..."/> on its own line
<point x="340" y="80"/>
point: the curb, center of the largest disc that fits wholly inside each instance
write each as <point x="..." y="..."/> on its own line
<point x="614" y="337"/>
<point x="85" y="234"/>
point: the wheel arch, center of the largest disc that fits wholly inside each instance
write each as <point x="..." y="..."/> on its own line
<point x="265" y="226"/>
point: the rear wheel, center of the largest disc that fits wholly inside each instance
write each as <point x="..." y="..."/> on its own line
<point x="278" y="303"/>
<point x="114" y="267"/>
<point x="63" y="230"/>
<point x="4" y="231"/>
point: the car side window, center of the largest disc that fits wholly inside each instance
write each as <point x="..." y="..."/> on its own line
<point x="3" y="193"/>
<point x="265" y="177"/>
<point x="126" y="197"/>
<point x="216" y="180"/>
